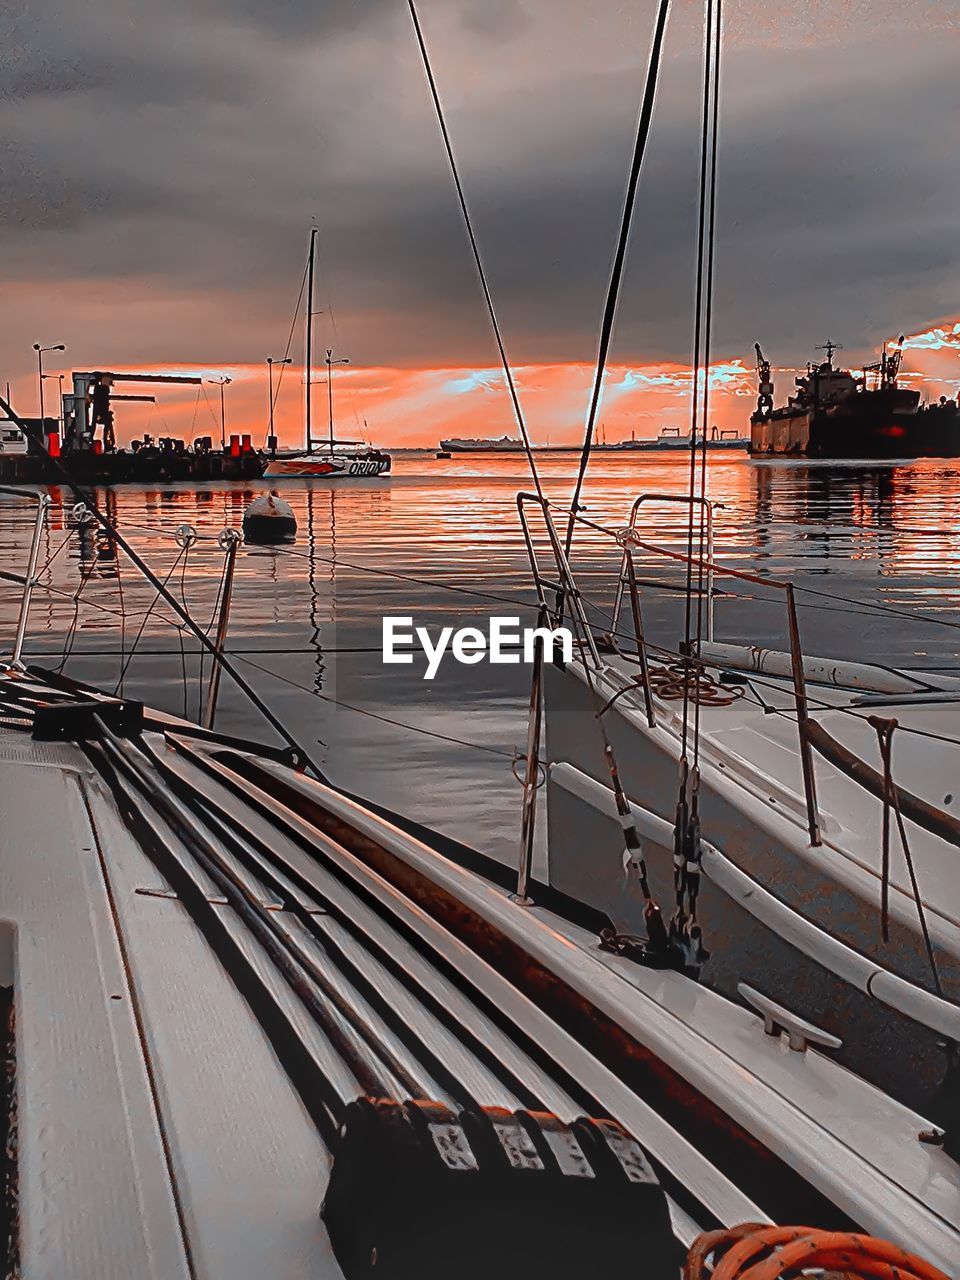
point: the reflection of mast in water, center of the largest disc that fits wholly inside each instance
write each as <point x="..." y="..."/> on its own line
<point x="315" y="625"/>
<point x="763" y="510"/>
<point x="106" y="542"/>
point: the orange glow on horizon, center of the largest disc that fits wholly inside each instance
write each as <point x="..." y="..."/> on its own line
<point x="414" y="408"/>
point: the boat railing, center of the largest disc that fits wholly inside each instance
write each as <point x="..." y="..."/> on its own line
<point x="568" y="602"/>
<point x="29" y="579"/>
<point x="708" y="506"/>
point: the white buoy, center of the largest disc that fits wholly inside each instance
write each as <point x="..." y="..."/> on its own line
<point x="269" y="519"/>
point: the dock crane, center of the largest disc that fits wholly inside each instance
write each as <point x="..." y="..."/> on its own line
<point x="88" y="406"/>
<point x="764" y="385"/>
<point x="887" y="367"/>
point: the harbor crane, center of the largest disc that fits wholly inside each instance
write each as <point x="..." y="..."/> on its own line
<point x="887" y="367"/>
<point x="88" y="405"/>
<point x="764" y="384"/>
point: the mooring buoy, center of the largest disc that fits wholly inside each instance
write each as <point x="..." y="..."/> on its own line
<point x="269" y="519"/>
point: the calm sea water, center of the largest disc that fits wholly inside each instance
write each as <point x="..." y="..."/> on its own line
<point x="440" y="542"/>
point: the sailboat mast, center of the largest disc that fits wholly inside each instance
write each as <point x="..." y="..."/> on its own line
<point x="308" y="360"/>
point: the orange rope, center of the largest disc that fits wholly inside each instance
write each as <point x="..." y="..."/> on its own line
<point x="753" y="1251"/>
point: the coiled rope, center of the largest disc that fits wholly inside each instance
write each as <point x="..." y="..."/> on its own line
<point x="757" y="1251"/>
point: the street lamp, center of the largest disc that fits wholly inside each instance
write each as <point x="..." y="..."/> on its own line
<point x="221" y="383"/>
<point x="330" y="363"/>
<point x="57" y="377"/>
<point x="270" y="363"/>
<point x="40" y="353"/>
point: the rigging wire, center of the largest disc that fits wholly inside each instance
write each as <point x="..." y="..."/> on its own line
<point x="146" y="618"/>
<point x="72" y="631"/>
<point x="714" y="119"/>
<point x="206" y="400"/>
<point x="209" y="627"/>
<point x="616" y="273"/>
<point x="374" y="715"/>
<point x="286" y="350"/>
<point x="468" y="223"/>
<point x="701" y="352"/>
<point x="406" y="577"/>
<point x="123" y="613"/>
<point x="183" y="652"/>
<point x="196" y="410"/>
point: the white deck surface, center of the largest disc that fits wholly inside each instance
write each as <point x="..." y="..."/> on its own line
<point x="211" y="1168"/>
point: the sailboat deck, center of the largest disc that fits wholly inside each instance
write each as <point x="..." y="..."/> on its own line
<point x="157" y="1135"/>
<point x="752" y="743"/>
<point x="160" y="1134"/>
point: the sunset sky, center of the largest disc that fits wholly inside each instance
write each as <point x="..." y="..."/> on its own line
<point x="162" y="164"/>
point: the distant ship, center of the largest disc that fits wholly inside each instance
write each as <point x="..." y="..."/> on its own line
<point x="478" y="444"/>
<point x="838" y="414"/>
<point x="668" y="438"/>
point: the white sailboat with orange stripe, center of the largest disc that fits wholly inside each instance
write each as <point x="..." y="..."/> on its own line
<point x="329" y="459"/>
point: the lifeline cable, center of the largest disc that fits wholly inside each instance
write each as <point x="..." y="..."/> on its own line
<point x="468" y="222"/>
<point x="616" y="273"/>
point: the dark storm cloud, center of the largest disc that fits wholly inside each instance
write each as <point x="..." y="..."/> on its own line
<point x="189" y="145"/>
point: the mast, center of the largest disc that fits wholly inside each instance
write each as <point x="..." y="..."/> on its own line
<point x="309" y="343"/>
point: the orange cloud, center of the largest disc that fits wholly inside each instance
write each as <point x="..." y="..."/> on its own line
<point x="415" y="407"/>
<point x="401" y="407"/>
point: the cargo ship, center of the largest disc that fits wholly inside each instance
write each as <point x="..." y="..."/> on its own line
<point x="836" y="413"/>
<point x="481" y="444"/>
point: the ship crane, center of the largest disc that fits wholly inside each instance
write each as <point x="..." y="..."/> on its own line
<point x="764" y="385"/>
<point x="887" y="367"/>
<point x="89" y="404"/>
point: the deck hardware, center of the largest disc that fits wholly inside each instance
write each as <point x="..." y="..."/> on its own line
<point x="531" y="778"/>
<point x="437" y="1184"/>
<point x="628" y="535"/>
<point x="800" y="696"/>
<point x="229" y="541"/>
<point x="776" y="1019"/>
<point x="81" y="721"/>
<point x="185" y="535"/>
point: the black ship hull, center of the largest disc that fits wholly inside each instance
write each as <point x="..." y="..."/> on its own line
<point x="873" y="426"/>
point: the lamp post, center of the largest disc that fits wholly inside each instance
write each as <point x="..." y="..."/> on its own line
<point x="57" y="377"/>
<point x="221" y="383"/>
<point x="40" y="353"/>
<point x="330" y="363"/>
<point x="270" y="363"/>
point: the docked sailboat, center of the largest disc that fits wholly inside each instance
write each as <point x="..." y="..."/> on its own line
<point x="769" y="779"/>
<point x="330" y="458"/>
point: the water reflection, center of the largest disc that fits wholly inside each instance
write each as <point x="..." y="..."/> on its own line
<point x="313" y="619"/>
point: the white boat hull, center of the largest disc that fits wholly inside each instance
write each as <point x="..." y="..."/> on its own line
<point x="750" y="811"/>
<point x="329" y="466"/>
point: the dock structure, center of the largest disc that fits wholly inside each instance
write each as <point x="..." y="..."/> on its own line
<point x="165" y="460"/>
<point x="41" y="450"/>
